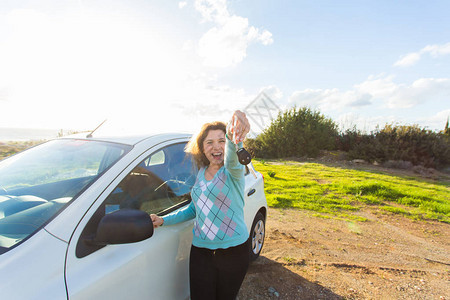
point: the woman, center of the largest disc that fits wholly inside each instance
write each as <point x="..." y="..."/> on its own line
<point x="220" y="252"/>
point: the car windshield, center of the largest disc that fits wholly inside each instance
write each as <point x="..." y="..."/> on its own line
<point x="38" y="183"/>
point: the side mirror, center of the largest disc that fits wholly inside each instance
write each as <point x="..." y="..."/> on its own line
<point x="124" y="226"/>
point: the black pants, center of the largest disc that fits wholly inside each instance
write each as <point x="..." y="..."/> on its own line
<point x="217" y="274"/>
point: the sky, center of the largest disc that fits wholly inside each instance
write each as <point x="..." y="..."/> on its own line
<point x="163" y="65"/>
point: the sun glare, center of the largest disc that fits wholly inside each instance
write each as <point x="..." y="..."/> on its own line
<point x="85" y="67"/>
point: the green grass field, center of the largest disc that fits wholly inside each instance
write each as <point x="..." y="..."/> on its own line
<point x="334" y="192"/>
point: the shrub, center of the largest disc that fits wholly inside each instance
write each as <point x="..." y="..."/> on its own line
<point x="347" y="139"/>
<point x="403" y="143"/>
<point x="295" y="132"/>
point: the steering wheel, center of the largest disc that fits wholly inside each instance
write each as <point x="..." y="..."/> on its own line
<point x="174" y="186"/>
<point x="183" y="180"/>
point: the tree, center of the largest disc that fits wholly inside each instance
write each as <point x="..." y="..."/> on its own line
<point x="296" y="132"/>
<point x="447" y="128"/>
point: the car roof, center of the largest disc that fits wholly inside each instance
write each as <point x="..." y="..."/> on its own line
<point x="129" y="139"/>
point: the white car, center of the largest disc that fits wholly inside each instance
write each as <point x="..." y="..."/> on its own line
<point x="74" y="219"/>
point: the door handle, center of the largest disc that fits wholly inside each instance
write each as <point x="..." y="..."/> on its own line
<point x="251" y="192"/>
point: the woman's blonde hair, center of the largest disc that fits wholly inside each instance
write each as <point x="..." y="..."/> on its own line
<point x="195" y="145"/>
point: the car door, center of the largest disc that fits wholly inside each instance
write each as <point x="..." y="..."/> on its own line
<point x="253" y="195"/>
<point x="155" y="268"/>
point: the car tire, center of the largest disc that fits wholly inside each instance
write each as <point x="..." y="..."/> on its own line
<point x="257" y="235"/>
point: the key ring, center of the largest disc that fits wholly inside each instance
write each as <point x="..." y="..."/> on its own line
<point x="244" y="157"/>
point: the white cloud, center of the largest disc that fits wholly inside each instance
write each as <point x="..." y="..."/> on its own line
<point x="412" y="58"/>
<point x="379" y="86"/>
<point x="213" y="10"/>
<point x="265" y="37"/>
<point x="330" y="99"/>
<point x="273" y="92"/>
<point x="419" y="92"/>
<point x="187" y="46"/>
<point x="437" y="50"/>
<point x="311" y="98"/>
<point x="226" y="43"/>
<point x="393" y="95"/>
<point x="380" y="96"/>
<point x="207" y="103"/>
<point x="383" y="90"/>
<point x="4" y="94"/>
<point x="408" y="60"/>
<point x="182" y="4"/>
<point x="437" y="120"/>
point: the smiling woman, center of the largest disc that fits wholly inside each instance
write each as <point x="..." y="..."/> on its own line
<point x="214" y="149"/>
<point x="201" y="142"/>
<point x="219" y="254"/>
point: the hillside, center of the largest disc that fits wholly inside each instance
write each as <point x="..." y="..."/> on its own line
<point x="8" y="148"/>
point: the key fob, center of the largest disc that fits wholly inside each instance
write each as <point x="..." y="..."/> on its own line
<point x="243" y="156"/>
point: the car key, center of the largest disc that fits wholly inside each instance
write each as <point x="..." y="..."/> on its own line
<point x="243" y="156"/>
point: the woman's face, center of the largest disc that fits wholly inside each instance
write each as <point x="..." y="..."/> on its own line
<point x="214" y="147"/>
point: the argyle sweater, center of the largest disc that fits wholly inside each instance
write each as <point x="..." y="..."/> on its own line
<point x="217" y="206"/>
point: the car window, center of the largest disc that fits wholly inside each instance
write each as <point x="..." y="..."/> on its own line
<point x="160" y="182"/>
<point x="156" y="159"/>
<point x="36" y="184"/>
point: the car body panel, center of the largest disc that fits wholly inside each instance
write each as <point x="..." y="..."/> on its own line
<point x="253" y="199"/>
<point x="34" y="270"/>
<point x="155" y="268"/>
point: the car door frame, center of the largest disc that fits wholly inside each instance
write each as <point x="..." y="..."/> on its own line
<point x="164" y="237"/>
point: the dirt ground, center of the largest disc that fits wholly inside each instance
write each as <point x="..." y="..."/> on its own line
<point x="387" y="257"/>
